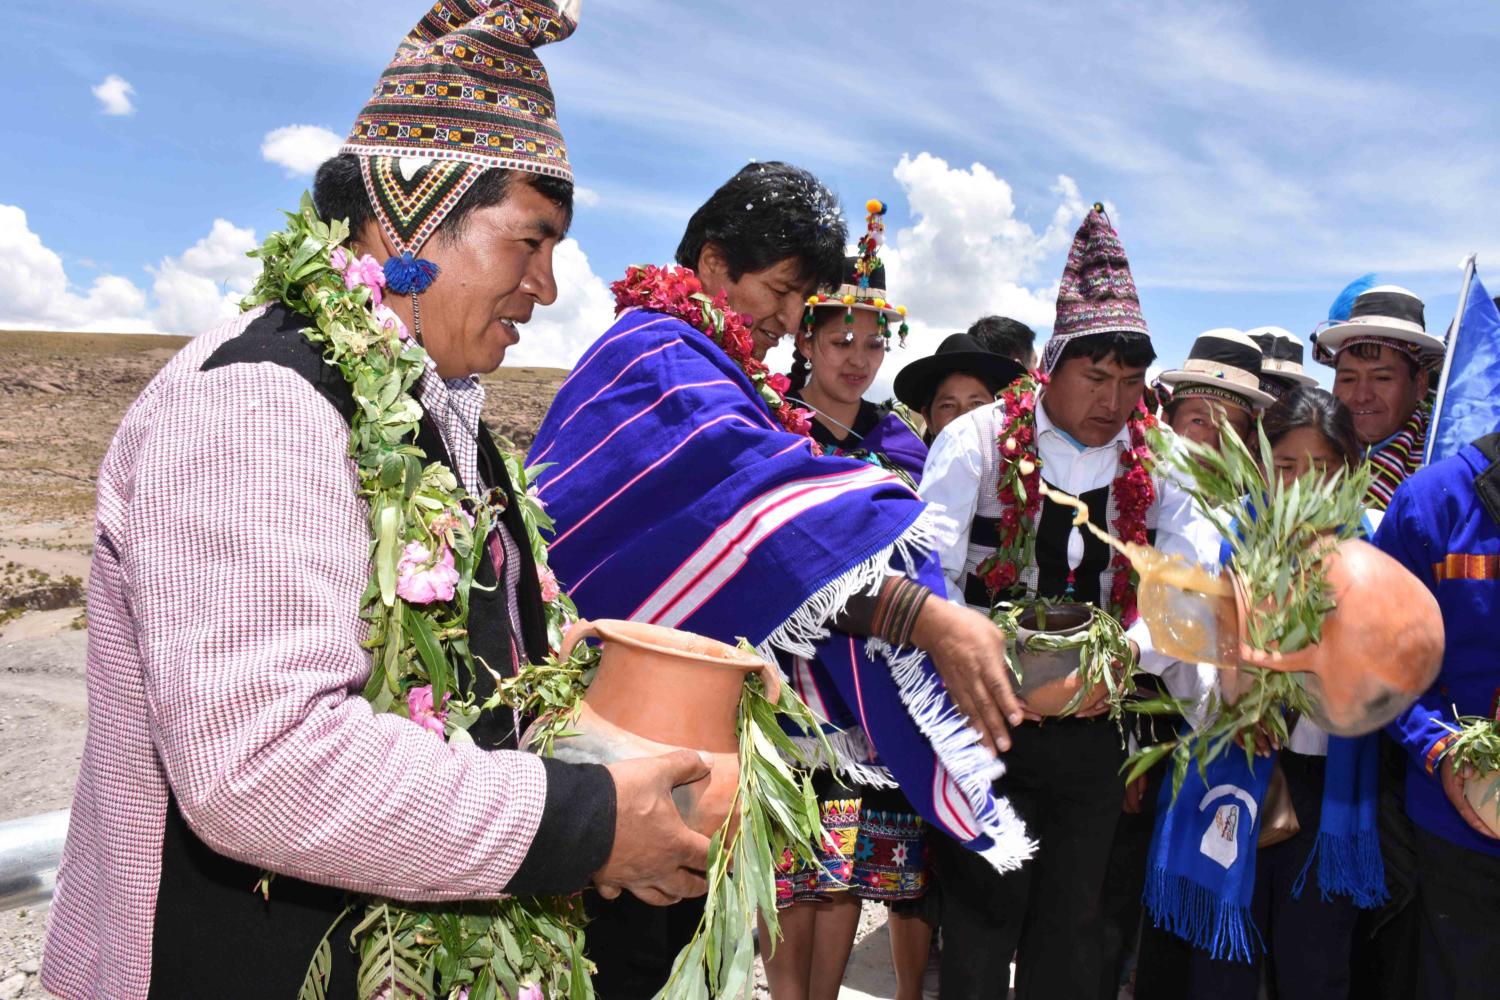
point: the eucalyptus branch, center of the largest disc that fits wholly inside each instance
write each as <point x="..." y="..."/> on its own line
<point x="1279" y="536"/>
<point x="774" y="815"/>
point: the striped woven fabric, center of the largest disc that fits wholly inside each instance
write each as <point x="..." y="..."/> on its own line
<point x="1461" y="566"/>
<point x="1397" y="458"/>
<point x="680" y="501"/>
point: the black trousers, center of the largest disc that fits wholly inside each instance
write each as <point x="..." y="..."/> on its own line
<point x="1062" y="777"/>
<point x="1309" y="940"/>
<point x="1161" y="957"/>
<point x="1458" y="895"/>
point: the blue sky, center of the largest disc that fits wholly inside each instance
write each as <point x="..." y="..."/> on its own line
<point x="1256" y="156"/>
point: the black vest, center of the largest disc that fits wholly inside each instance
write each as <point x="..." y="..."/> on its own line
<point x="214" y="936"/>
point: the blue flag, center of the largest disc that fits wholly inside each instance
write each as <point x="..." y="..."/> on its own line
<point x="1469" y="403"/>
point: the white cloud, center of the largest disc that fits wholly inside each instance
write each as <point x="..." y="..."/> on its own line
<point x="114" y="95"/>
<point x="202" y="288"/>
<point x="35" y="292"/>
<point x="585" y="196"/>
<point x="193" y="292"/>
<point x="968" y="255"/>
<point x="300" y="149"/>
<point x="559" y="334"/>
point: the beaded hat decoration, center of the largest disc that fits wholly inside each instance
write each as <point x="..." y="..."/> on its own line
<point x="1097" y="293"/>
<point x="464" y="93"/>
<point x="864" y="285"/>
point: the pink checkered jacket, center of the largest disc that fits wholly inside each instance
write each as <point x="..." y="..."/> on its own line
<point x="224" y="663"/>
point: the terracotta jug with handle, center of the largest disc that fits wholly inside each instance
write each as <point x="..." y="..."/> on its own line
<point x="658" y="690"/>
<point x="1381" y="646"/>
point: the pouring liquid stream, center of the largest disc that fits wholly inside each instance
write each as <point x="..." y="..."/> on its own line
<point x="1190" y="611"/>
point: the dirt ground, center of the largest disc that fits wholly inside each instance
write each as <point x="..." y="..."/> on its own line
<point x="60" y="403"/>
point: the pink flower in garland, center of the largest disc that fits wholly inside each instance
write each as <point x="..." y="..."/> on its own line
<point x="779" y="382"/>
<point x="419" y="709"/>
<point x="550" y="589"/>
<point x="417" y="582"/>
<point x="531" y="992"/>
<point x="366" y="271"/>
<point x="388" y="320"/>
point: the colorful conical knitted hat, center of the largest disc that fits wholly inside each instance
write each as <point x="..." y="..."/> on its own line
<point x="464" y="93"/>
<point x="1097" y="293"/>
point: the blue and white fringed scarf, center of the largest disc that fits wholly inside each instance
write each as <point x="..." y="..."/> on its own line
<point x="1200" y="880"/>
<point x="1201" y="877"/>
<point x="679" y="500"/>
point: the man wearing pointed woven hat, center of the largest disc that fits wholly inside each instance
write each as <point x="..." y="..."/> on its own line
<point x="295" y="491"/>
<point x="1220" y="378"/>
<point x="1377" y="342"/>
<point x="1079" y="426"/>
<point x="1281" y="356"/>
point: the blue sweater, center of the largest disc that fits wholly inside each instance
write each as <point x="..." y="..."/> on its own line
<point x="1439" y="528"/>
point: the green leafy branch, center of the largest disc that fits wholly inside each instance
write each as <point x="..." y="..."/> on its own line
<point x="1279" y="536"/>
<point x="1104" y="655"/>
<point x="774" y="815"/>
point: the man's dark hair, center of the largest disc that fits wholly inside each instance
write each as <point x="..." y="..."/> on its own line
<point x="1371" y="352"/>
<point x="1307" y="406"/>
<point x="1006" y="337"/>
<point x="339" y="193"/>
<point x="768" y="213"/>
<point x="1130" y="350"/>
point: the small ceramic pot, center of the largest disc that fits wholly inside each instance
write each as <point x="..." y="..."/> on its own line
<point x="1381" y="646"/>
<point x="659" y="690"/>
<point x="1049" y="677"/>
<point x="1483" y="793"/>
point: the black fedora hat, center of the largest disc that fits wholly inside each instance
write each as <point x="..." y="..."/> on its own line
<point x="918" y="382"/>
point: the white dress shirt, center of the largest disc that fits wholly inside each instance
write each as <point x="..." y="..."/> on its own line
<point x="951" y="479"/>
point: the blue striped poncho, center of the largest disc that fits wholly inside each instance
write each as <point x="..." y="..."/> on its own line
<point x="681" y="501"/>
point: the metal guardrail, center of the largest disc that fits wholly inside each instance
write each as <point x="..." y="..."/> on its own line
<point x="30" y="849"/>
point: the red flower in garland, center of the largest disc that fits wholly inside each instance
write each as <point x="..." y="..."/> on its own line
<point x="677" y="292"/>
<point x="1133" y="492"/>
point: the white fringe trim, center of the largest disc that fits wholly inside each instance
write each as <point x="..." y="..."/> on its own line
<point x="956" y="744"/>
<point x="851" y="757"/>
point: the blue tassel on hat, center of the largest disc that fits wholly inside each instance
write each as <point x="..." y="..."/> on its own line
<point x="406" y="274"/>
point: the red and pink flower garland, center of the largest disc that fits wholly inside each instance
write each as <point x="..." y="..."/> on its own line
<point x="1020" y="496"/>
<point x="677" y="292"/>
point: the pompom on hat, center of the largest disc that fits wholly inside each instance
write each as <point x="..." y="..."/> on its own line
<point x="464" y="93"/>
<point x="1097" y="293"/>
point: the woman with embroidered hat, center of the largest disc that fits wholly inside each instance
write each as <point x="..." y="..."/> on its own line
<point x="1221" y="377"/>
<point x="840" y="348"/>
<point x="1280" y="360"/>
<point x="961" y="375"/>
<point x="1376" y="341"/>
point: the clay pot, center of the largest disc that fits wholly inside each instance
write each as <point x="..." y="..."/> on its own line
<point x="1049" y="677"/>
<point x="659" y="690"/>
<point x="1483" y="793"/>
<point x="1381" y="647"/>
